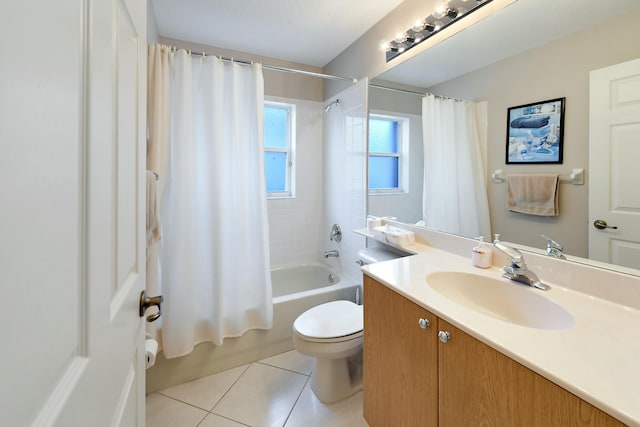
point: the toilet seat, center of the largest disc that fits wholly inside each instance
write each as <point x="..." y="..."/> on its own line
<point x="334" y="321"/>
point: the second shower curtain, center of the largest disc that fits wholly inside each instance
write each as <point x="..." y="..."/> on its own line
<point x="215" y="247"/>
<point x="455" y="192"/>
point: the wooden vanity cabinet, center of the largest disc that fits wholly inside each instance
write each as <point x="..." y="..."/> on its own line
<point x="413" y="379"/>
<point x="400" y="378"/>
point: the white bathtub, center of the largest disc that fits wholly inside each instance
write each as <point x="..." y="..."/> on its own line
<point x="302" y="280"/>
<point x="295" y="289"/>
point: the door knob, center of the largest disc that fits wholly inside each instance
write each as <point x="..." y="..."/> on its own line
<point x="146" y="302"/>
<point x="601" y="224"/>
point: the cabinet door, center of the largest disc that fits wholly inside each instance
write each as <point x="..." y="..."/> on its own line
<point x="480" y="386"/>
<point x="400" y="360"/>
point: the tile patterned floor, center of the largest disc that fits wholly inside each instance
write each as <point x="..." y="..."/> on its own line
<point x="272" y="392"/>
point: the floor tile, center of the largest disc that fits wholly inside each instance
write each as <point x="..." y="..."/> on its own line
<point x="292" y="361"/>
<point x="263" y="396"/>
<point x="214" y="420"/>
<point x="162" y="411"/>
<point x="205" y="392"/>
<point x="311" y="412"/>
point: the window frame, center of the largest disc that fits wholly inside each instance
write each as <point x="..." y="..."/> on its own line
<point x="289" y="150"/>
<point x="402" y="154"/>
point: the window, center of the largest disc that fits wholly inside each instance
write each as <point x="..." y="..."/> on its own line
<point x="278" y="149"/>
<point x="387" y="141"/>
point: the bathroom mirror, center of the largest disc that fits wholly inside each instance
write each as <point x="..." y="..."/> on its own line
<point x="530" y="51"/>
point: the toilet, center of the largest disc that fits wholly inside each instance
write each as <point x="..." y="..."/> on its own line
<point x="332" y="333"/>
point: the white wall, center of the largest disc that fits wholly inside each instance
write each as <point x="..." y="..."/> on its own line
<point x="345" y="176"/>
<point x="152" y="24"/>
<point x="296" y="234"/>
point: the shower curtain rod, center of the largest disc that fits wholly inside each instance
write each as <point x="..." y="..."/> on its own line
<point x="274" y="67"/>
<point x="411" y="92"/>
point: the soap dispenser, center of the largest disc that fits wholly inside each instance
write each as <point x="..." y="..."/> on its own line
<point x="481" y="254"/>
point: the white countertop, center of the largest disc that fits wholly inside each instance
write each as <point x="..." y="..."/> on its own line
<point x="598" y="359"/>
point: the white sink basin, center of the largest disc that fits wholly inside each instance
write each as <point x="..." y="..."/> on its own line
<point x="504" y="300"/>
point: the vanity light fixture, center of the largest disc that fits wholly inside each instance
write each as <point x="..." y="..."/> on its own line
<point x="445" y="14"/>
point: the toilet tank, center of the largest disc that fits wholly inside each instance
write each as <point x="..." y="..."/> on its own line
<point x="376" y="254"/>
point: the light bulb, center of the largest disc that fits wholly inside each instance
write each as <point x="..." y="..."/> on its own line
<point x="440" y="11"/>
<point x="418" y="26"/>
<point x="399" y="38"/>
<point x="437" y="25"/>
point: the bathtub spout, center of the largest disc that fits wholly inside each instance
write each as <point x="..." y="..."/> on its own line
<point x="333" y="253"/>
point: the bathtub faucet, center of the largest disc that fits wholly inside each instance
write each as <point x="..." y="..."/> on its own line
<point x="333" y="253"/>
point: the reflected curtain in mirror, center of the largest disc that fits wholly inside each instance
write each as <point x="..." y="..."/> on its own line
<point x="455" y="193"/>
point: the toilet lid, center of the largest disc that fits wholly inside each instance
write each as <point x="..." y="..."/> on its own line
<point x="374" y="255"/>
<point x="330" y="320"/>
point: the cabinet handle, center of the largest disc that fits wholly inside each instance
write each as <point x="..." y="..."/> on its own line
<point x="423" y="323"/>
<point x="444" y="336"/>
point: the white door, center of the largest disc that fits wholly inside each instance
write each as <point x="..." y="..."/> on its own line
<point x="614" y="163"/>
<point x="72" y="254"/>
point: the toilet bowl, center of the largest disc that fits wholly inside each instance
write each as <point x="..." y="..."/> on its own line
<point x="332" y="334"/>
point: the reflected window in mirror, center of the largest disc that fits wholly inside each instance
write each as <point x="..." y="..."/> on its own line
<point x="388" y="142"/>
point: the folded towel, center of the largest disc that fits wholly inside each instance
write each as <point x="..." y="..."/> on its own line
<point x="530" y="122"/>
<point x="533" y="194"/>
<point x="153" y="225"/>
<point x="394" y="235"/>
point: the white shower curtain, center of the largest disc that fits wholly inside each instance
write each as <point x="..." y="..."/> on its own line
<point x="214" y="256"/>
<point x="157" y="151"/>
<point x="455" y="193"/>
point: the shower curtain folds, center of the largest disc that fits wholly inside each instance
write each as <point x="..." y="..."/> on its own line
<point x="454" y="192"/>
<point x="215" y="254"/>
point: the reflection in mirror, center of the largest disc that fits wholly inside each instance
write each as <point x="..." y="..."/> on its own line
<point x="405" y="203"/>
<point x="522" y="54"/>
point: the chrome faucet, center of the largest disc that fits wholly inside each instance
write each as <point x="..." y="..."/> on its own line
<point x="554" y="249"/>
<point x="333" y="253"/>
<point x="518" y="270"/>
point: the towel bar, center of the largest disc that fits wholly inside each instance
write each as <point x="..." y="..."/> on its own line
<point x="576" y="177"/>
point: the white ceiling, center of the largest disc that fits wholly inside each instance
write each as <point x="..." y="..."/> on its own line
<point x="311" y="32"/>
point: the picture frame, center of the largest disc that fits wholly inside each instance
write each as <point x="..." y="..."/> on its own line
<point x="535" y="132"/>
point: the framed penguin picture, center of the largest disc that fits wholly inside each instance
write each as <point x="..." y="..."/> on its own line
<point x="534" y="132"/>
